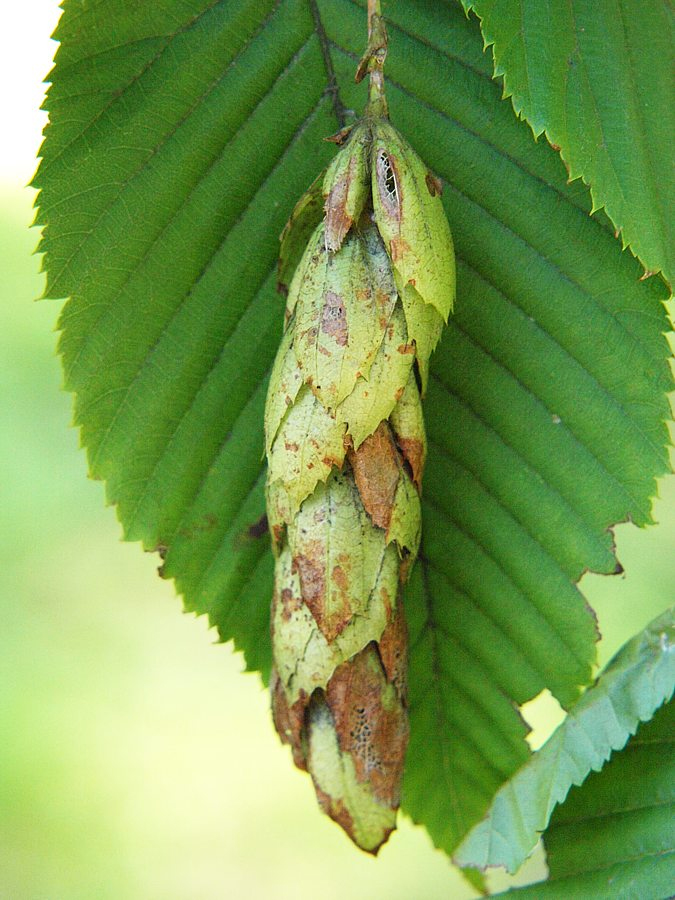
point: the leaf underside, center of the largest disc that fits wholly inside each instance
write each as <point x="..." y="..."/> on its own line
<point x="181" y="136"/>
<point x="639" y="679"/>
<point x="614" y="835"/>
<point x="596" y="76"/>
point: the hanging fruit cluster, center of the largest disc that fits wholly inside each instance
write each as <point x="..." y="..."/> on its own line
<point x="346" y="447"/>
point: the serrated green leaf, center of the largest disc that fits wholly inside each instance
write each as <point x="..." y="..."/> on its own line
<point x="613" y="837"/>
<point x="639" y="679"/>
<point x="596" y="76"/>
<point x="177" y="148"/>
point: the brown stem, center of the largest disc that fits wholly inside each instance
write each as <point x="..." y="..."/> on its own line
<point x="373" y="59"/>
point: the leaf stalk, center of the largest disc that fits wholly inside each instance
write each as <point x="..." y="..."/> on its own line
<point x="372" y="62"/>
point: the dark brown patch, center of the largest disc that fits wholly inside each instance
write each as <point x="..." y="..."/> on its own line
<point x="393" y="648"/>
<point x="375" y="735"/>
<point x="277" y="534"/>
<point x="405" y="567"/>
<point x="312" y="578"/>
<point x="334" y="318"/>
<point x="434" y="185"/>
<point x="259" y="528"/>
<point x="376" y="472"/>
<point x="289" y="720"/>
<point x="291" y="445"/>
<point x="406" y="348"/>
<point x="413" y="451"/>
<point x="329" y="602"/>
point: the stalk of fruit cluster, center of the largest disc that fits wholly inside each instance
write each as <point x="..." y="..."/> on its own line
<point x="367" y="296"/>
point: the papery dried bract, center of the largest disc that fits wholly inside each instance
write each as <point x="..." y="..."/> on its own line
<point x="346" y="187"/>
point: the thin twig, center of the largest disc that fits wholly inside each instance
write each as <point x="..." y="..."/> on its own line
<point x="373" y="60"/>
<point x="332" y="87"/>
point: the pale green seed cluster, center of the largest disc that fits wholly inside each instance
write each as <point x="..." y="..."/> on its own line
<point x="345" y="442"/>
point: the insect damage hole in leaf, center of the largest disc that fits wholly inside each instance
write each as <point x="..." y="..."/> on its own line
<point x="543" y="714"/>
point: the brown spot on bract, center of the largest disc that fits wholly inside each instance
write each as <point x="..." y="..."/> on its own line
<point x="370" y="727"/>
<point x="339" y="576"/>
<point x="289" y="720"/>
<point x="398" y="248"/>
<point x="406" y="348"/>
<point x="376" y="472"/>
<point x="312" y="582"/>
<point x="334" y="318"/>
<point x="337" y="811"/>
<point x="340" y="136"/>
<point x="414" y="454"/>
<point x="434" y="185"/>
<point x="289" y="604"/>
<point x="338" y="220"/>
<point x="292" y="446"/>
<point x="393" y="648"/>
<point x="404" y="568"/>
<point x="310" y="566"/>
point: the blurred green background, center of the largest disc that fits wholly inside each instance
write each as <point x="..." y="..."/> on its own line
<point x="135" y="761"/>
